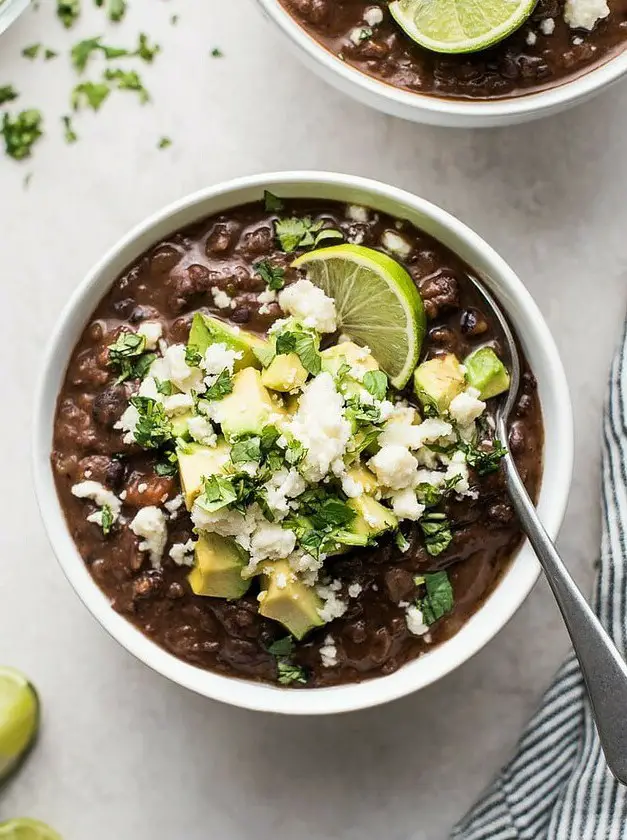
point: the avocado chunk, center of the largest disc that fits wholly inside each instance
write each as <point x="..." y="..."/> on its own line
<point x="248" y="408"/>
<point x="487" y="373"/>
<point x="372" y="517"/>
<point x="346" y="353"/>
<point x="285" y="373"/>
<point x="218" y="564"/>
<point x="196" y="462"/>
<point x="287" y="600"/>
<point x="206" y="330"/>
<point x="364" y="477"/>
<point x="179" y="425"/>
<point x="439" y="381"/>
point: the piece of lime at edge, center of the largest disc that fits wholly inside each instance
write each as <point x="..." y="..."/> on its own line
<point x="27" y="829"/>
<point x="460" y="26"/>
<point x="19" y="720"/>
<point x="377" y="303"/>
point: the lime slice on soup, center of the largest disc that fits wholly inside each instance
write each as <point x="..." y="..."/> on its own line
<point x="377" y="303"/>
<point x="25" y="829"/>
<point x="19" y="720"/>
<point x="460" y="26"/>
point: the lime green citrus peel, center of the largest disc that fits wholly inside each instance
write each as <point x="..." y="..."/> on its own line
<point x="377" y="303"/>
<point x="25" y="829"/>
<point x="19" y="720"/>
<point x="460" y="26"/>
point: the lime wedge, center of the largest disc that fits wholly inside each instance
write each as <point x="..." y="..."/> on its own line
<point x="377" y="303"/>
<point x="25" y="829"/>
<point x="19" y="720"/>
<point x="460" y="26"/>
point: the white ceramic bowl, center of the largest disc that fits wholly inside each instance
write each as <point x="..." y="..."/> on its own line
<point x="530" y="328"/>
<point x="439" y="110"/>
<point x="10" y="10"/>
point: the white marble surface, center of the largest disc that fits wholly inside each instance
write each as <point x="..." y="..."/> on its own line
<point x="123" y="752"/>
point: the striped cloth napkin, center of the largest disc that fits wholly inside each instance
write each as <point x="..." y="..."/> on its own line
<point x="557" y="786"/>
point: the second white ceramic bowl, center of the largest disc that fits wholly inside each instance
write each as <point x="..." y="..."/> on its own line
<point x="438" y="110"/>
<point x="535" y="339"/>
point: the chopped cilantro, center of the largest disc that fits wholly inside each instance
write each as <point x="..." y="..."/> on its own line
<point x="296" y="233"/>
<point x="193" y="356"/>
<point x="7" y="94"/>
<point x="289" y="673"/>
<point x="272" y="203"/>
<point x="218" y="492"/>
<point x="428" y="494"/>
<point x="220" y="388"/>
<point x="49" y="54"/>
<point x="165" y="387"/>
<point x="438" y="599"/>
<point x="306" y="346"/>
<point x="402" y="543"/>
<point x="128" y="80"/>
<point x="216" y="52"/>
<point x="376" y="383"/>
<point x="144" y="50"/>
<point x="81" y="51"/>
<point x="164" y="143"/>
<point x="127" y="356"/>
<point x="69" y="133"/>
<point x="68" y="12"/>
<point x="485" y="461"/>
<point x="295" y="453"/>
<point x="282" y="647"/>
<point x="437" y="533"/>
<point x="32" y="51"/>
<point x="248" y="449"/>
<point x="92" y="94"/>
<point x="116" y="10"/>
<point x="272" y="275"/>
<point x="174" y="20"/>
<point x="153" y="428"/>
<point x="106" y="519"/>
<point x="361" y="414"/>
<point x="21" y="132"/>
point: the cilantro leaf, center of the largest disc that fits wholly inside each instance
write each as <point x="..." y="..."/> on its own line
<point x="402" y="543"/>
<point x="68" y="12"/>
<point x="439" y="599"/>
<point x="165" y="387"/>
<point x="326" y="234"/>
<point x="272" y="275"/>
<point x="289" y="673"/>
<point x="216" y="52"/>
<point x="218" y="492"/>
<point x="128" y="80"/>
<point x="32" y="51"/>
<point x="282" y="647"/>
<point x="272" y="203"/>
<point x="106" y="519"/>
<point x="116" y="10"/>
<point x="428" y="494"/>
<point x="437" y="533"/>
<point x="81" y="52"/>
<point x="248" y="449"/>
<point x="69" y="134"/>
<point x="48" y="54"/>
<point x="153" y="428"/>
<point x="376" y="383"/>
<point x="92" y="94"/>
<point x="127" y="356"/>
<point x="7" y="94"/>
<point x="304" y="344"/>
<point x="144" y="50"/>
<point x="21" y="132"/>
<point x="220" y="388"/>
<point x="164" y="143"/>
<point x="485" y="461"/>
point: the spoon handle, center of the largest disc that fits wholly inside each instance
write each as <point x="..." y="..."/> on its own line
<point x="603" y="669"/>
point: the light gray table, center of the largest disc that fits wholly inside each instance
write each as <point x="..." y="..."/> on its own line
<point x="125" y="754"/>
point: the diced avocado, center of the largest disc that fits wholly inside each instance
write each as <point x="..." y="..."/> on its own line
<point x="179" y="424"/>
<point x="364" y="477"/>
<point x="346" y="353"/>
<point x="218" y="564"/>
<point x="285" y="373"/>
<point x="206" y="330"/>
<point x="248" y="408"/>
<point x="439" y="381"/>
<point x="372" y="517"/>
<point x="487" y="373"/>
<point x="286" y="599"/>
<point x="197" y="461"/>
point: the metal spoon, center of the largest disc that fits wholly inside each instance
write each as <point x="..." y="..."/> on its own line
<point x="604" y="671"/>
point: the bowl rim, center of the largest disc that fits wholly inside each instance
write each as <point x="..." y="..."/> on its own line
<point x="10" y="10"/>
<point x="541" y="102"/>
<point x="523" y="571"/>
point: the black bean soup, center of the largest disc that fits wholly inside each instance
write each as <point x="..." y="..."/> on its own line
<point x="190" y="271"/>
<point x="545" y="52"/>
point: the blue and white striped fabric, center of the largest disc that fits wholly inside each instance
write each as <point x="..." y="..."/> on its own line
<point x="557" y="786"/>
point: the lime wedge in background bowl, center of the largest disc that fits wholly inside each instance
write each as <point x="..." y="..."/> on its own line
<point x="19" y="720"/>
<point x="25" y="829"/>
<point x="460" y="26"/>
<point x="377" y="303"/>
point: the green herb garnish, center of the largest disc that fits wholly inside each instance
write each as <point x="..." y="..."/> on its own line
<point x="220" y="388"/>
<point x="272" y="275"/>
<point x="68" y="12"/>
<point x="248" y="449"/>
<point x="128" y="80"/>
<point x="164" y="143"/>
<point x="7" y="94"/>
<point x="376" y="383"/>
<point x="32" y="51"/>
<point x="116" y="10"/>
<point x="485" y="461"/>
<point x="437" y="532"/>
<point x="153" y="428"/>
<point x="272" y="203"/>
<point x="106" y="519"/>
<point x="306" y="346"/>
<point x="21" y="132"/>
<point x="69" y="134"/>
<point x="438" y="599"/>
<point x="216" y="52"/>
<point x="127" y="356"/>
<point x="92" y="94"/>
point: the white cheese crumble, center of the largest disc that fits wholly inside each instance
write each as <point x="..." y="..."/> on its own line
<point x="178" y="404"/>
<point x="152" y="332"/>
<point x="221" y="299"/>
<point x="406" y="506"/>
<point x="320" y="425"/>
<point x="466" y="407"/>
<point x="354" y="590"/>
<point x="328" y="653"/>
<point x="219" y="357"/>
<point x="395" y="244"/>
<point x="547" y="26"/>
<point x="310" y="305"/>
<point x="150" y="523"/>
<point x="373" y="16"/>
<point x="174" y="505"/>
<point x="282" y="486"/>
<point x="351" y="487"/>
<point x="271" y="542"/>
<point x="415" y="621"/>
<point x="202" y="431"/>
<point x="355" y="212"/>
<point x="394" y="466"/>
<point x="99" y="494"/>
<point x="173" y="367"/>
<point x="584" y="14"/>
<point x="183" y="553"/>
<point x="531" y="38"/>
<point x="333" y="607"/>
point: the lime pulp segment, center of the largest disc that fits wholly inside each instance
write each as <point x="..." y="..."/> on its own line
<point x="460" y="26"/>
<point x="19" y="719"/>
<point x="26" y="829"/>
<point x="377" y="303"/>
